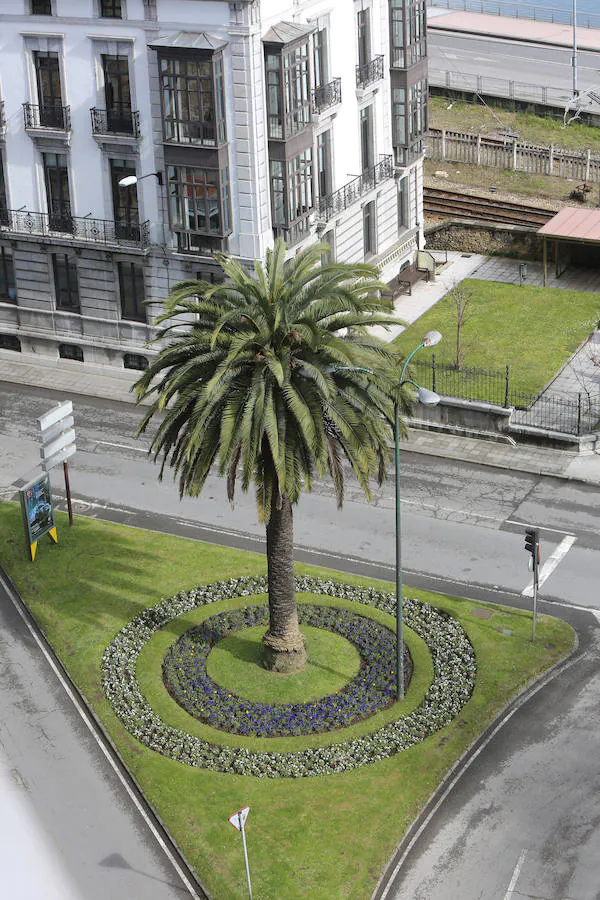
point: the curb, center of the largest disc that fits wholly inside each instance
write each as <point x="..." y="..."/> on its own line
<point x="161" y="834"/>
<point x="461" y="766"/>
<point x="546" y="42"/>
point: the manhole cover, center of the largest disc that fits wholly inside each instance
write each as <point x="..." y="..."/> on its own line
<point x="482" y="613"/>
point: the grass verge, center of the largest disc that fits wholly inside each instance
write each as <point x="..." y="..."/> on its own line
<point x="323" y="837"/>
<point x="501" y="320"/>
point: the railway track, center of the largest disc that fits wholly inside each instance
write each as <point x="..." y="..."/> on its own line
<point x="452" y="205"/>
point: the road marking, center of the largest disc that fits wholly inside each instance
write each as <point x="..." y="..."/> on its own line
<point x="515" y="875"/>
<point x="121" y="446"/>
<point x="551" y="563"/>
<point x="546" y="529"/>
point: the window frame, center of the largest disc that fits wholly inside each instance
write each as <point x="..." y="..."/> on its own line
<point x="7" y="276"/>
<point x="105" y="6"/>
<point x="133" y="308"/>
<point x="289" y="89"/>
<point x="177" y="95"/>
<point x="71" y="286"/>
<point x="204" y="193"/>
<point x="34" y="12"/>
<point x="369" y="229"/>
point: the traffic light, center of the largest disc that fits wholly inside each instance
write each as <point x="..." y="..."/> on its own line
<point x="532" y="536"/>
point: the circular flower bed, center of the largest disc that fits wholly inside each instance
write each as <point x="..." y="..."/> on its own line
<point x="454" y="672"/>
<point x="373" y="688"/>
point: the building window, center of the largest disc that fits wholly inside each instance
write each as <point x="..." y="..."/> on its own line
<point x="47" y="73"/>
<point x="66" y="288"/>
<point x="409" y="121"/>
<point x="134" y="361"/>
<point x="403" y="204"/>
<point x="399" y="117"/>
<point x="8" y="289"/>
<point x="292" y="196"/>
<point x="328" y="255"/>
<point x="324" y="185"/>
<point x="369" y="229"/>
<point x="199" y="204"/>
<point x="41" y="7"/>
<point x="320" y="59"/>
<point x="131" y="285"/>
<point x="117" y="94"/>
<point x="111" y="9"/>
<point x="10" y="342"/>
<point x="366" y="138"/>
<point x="211" y="276"/>
<point x="125" y="201"/>
<point x="3" y="201"/>
<point x="70" y="351"/>
<point x="193" y="102"/>
<point x="363" y="25"/>
<point x="288" y="91"/>
<point x="56" y="176"/>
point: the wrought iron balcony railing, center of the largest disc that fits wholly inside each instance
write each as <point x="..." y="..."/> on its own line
<point x="97" y="231"/>
<point x="118" y="119"/>
<point x="370" y="72"/>
<point x="327" y="95"/>
<point x="48" y="115"/>
<point x="332" y="204"/>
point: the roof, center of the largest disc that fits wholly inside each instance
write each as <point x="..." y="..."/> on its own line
<point x="190" y="40"/>
<point x="575" y="224"/>
<point x="286" y="32"/>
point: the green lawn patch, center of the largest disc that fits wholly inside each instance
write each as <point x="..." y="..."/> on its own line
<point x="533" y="330"/>
<point x="235" y="664"/>
<point x="319" y="837"/>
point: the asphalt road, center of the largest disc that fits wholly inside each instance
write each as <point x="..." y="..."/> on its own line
<point x="521" y="822"/>
<point x="532" y="64"/>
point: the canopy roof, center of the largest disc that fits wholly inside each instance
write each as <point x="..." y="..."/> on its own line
<point x="574" y="224"/>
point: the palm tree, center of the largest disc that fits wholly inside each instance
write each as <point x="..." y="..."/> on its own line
<point x="275" y="377"/>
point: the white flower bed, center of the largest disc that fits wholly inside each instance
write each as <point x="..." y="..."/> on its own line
<point x="454" y="672"/>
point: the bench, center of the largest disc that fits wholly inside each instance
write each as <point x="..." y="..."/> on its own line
<point x="403" y="282"/>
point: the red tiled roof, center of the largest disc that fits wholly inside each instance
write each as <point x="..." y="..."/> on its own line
<point x="575" y="224"/>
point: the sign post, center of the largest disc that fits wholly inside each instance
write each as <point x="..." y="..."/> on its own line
<point x="38" y="512"/>
<point x="57" y="439"/>
<point x="238" y="820"/>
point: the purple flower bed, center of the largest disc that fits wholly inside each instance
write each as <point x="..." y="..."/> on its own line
<point x="373" y="688"/>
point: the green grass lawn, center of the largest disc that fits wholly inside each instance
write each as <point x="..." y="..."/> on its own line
<point x="531" y="329"/>
<point x="321" y="837"/>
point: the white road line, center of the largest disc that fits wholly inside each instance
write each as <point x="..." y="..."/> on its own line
<point x="546" y="529"/>
<point x="515" y="875"/>
<point x="121" y="446"/>
<point x="551" y="563"/>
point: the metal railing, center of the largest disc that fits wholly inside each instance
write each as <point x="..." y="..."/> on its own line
<point x="370" y="72"/>
<point x="48" y="115"/>
<point x="120" y="119"/>
<point x="577" y="413"/>
<point x="102" y="231"/>
<point x="327" y="95"/>
<point x="530" y="11"/>
<point x="334" y="203"/>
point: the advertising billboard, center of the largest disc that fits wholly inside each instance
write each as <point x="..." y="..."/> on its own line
<point x="38" y="511"/>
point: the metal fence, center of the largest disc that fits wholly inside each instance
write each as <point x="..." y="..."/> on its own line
<point x="510" y="153"/>
<point x="504" y="88"/>
<point x="569" y="414"/>
<point x="531" y="11"/>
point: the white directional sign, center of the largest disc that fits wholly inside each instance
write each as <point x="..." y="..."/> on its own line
<point x="57" y="436"/>
<point x="238" y="819"/>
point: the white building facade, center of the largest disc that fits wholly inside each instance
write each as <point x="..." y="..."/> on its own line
<point x="233" y="123"/>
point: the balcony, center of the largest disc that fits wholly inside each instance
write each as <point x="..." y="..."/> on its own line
<point x="327" y="95"/>
<point x="49" y="116"/>
<point x="118" y="120"/>
<point x="333" y="204"/>
<point x="60" y="222"/>
<point x="370" y="72"/>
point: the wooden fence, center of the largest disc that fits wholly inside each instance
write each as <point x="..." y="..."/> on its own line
<point x="510" y="153"/>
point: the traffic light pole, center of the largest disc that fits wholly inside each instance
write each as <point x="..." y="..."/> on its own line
<point x="535" y="590"/>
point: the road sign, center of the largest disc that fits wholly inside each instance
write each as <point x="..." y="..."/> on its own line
<point x="57" y="439"/>
<point x="238" y="819"/>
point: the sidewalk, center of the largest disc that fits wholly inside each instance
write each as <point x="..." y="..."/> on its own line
<point x="524" y="30"/>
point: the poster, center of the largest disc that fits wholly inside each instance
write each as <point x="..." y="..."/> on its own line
<point x="38" y="511"/>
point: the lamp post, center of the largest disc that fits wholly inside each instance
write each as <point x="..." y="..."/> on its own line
<point x="428" y="398"/>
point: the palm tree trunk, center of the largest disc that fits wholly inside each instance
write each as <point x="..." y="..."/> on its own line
<point x="285" y="649"/>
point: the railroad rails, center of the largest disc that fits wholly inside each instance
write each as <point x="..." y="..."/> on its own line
<point x="452" y="205"/>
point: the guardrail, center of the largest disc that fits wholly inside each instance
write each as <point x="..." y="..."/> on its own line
<point x="504" y="88"/>
<point x="327" y="95"/>
<point x="334" y="203"/>
<point x="102" y="231"/>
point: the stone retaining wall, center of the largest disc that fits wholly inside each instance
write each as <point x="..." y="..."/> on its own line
<point x="513" y="241"/>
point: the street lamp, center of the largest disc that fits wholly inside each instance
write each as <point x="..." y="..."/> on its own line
<point x="130" y="180"/>
<point x="428" y="398"/>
